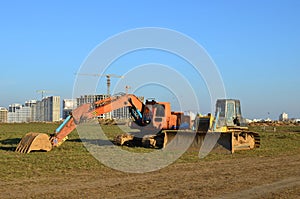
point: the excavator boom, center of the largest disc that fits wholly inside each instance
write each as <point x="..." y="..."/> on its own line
<point x="40" y="141"/>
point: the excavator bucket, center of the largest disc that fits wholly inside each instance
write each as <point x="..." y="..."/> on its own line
<point x="34" y="142"/>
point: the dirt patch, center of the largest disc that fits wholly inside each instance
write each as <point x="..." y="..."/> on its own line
<point x="280" y="188"/>
<point x="250" y="177"/>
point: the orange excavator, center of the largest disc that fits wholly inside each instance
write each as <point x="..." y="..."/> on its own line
<point x="158" y="115"/>
<point x="158" y="124"/>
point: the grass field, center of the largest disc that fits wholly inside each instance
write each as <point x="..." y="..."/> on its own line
<point x="72" y="157"/>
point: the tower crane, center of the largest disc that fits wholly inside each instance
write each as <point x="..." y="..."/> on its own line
<point x="43" y="92"/>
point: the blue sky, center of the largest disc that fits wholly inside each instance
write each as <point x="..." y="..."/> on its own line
<point x="255" y="45"/>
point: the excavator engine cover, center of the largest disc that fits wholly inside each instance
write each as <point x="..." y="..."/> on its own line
<point x="34" y="142"/>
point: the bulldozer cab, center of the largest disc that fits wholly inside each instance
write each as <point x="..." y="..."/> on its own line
<point x="228" y="113"/>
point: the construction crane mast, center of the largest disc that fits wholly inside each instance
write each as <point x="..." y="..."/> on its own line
<point x="127" y="88"/>
<point x="108" y="76"/>
<point x="43" y="92"/>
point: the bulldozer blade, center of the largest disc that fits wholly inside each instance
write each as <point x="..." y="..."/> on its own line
<point x="216" y="142"/>
<point x="34" y="142"/>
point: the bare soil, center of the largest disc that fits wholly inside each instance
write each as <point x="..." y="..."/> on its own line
<point x="249" y="177"/>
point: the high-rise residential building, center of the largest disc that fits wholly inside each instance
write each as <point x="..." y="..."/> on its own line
<point x="48" y="109"/>
<point x="52" y="108"/>
<point x="68" y="106"/>
<point x="55" y="104"/>
<point x="13" y="112"/>
<point x="39" y="111"/>
<point x="14" y="107"/>
<point x="32" y="105"/>
<point x="3" y="115"/>
<point x="18" y="113"/>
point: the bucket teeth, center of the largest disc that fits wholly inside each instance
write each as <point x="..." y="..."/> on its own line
<point x="34" y="142"/>
<point x="24" y="145"/>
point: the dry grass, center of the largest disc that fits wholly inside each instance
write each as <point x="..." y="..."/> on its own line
<point x="72" y="156"/>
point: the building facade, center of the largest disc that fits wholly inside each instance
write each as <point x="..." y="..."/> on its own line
<point x="85" y="99"/>
<point x="48" y="110"/>
<point x="68" y="106"/>
<point x="53" y="109"/>
<point x="35" y="111"/>
<point x="39" y="111"/>
<point x="18" y="113"/>
<point x="32" y="105"/>
<point x="3" y="115"/>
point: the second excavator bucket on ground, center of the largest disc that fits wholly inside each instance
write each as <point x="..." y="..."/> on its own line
<point x="34" y="142"/>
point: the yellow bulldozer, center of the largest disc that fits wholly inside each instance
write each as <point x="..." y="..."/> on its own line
<point x="159" y="126"/>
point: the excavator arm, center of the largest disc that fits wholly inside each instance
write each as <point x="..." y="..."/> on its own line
<point x="37" y="141"/>
<point x="88" y="111"/>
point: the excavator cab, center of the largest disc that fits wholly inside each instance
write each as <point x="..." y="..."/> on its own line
<point x="155" y="114"/>
<point x="151" y="113"/>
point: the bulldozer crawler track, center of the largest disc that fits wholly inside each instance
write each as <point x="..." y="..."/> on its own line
<point x="245" y="140"/>
<point x="256" y="139"/>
